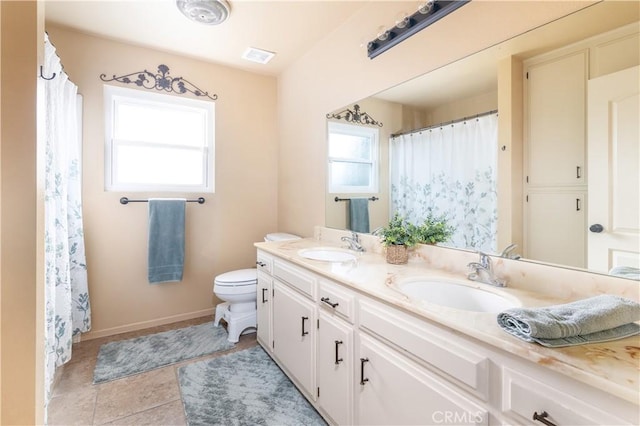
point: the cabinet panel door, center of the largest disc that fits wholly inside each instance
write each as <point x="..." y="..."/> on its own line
<point x="556" y="121"/>
<point x="294" y="333"/>
<point x="334" y="368"/>
<point x="397" y="391"/>
<point x="264" y="310"/>
<point x="556" y="228"/>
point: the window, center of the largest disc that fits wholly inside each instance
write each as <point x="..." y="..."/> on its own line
<point x="353" y="158"/>
<point x="157" y="142"/>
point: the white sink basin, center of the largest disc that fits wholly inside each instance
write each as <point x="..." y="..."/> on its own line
<point x="327" y="254"/>
<point x="457" y="295"/>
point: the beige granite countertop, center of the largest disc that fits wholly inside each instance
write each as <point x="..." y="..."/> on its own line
<point x="613" y="367"/>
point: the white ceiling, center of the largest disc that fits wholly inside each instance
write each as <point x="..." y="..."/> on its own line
<point x="288" y="28"/>
<point x="291" y="27"/>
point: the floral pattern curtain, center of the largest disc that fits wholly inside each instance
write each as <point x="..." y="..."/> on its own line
<point x="67" y="309"/>
<point x="450" y="171"/>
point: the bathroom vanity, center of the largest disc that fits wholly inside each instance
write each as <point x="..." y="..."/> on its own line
<point x="363" y="352"/>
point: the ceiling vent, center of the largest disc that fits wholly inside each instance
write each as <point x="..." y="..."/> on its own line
<point x="257" y="55"/>
<point x="209" y="12"/>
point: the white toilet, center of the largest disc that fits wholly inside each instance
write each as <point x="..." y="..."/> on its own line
<point x="238" y="289"/>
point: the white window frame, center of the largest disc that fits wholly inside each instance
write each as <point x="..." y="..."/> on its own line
<point x="374" y="135"/>
<point x="113" y="95"/>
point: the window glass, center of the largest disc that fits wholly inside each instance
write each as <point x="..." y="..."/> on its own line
<point x="157" y="142"/>
<point x="352" y="158"/>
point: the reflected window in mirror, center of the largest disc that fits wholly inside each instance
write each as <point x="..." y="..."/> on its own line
<point x="353" y="159"/>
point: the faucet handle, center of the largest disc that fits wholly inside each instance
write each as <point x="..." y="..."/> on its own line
<point x="485" y="259"/>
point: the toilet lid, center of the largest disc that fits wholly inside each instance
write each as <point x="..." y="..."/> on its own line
<point x="281" y="236"/>
<point x="239" y="277"/>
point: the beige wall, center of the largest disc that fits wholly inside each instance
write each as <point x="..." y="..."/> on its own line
<point x="337" y="72"/>
<point x="219" y="234"/>
<point x="22" y="348"/>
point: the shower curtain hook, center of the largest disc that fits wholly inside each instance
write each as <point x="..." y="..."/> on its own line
<point x="46" y="78"/>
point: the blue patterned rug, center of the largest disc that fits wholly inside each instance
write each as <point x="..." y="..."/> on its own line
<point x="242" y="388"/>
<point x="128" y="357"/>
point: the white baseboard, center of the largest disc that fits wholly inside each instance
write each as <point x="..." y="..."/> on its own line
<point x="145" y="324"/>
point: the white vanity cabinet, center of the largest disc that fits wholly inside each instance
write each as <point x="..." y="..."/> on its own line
<point x="362" y="361"/>
<point x="334" y="369"/>
<point x="525" y="395"/>
<point x="294" y="324"/>
<point x="264" y="294"/>
<point x="392" y="389"/>
<point x="263" y="305"/>
<point x="412" y="373"/>
<point x="335" y="359"/>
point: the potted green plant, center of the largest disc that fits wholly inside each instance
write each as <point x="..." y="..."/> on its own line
<point x="397" y="237"/>
<point x="434" y="229"/>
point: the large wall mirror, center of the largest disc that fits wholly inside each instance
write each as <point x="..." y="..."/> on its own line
<point x="544" y="85"/>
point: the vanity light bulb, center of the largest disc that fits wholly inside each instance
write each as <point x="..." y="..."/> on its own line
<point x="426" y="7"/>
<point x="383" y="34"/>
<point x="402" y="19"/>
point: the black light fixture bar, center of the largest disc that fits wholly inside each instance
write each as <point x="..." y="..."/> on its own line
<point x="411" y="25"/>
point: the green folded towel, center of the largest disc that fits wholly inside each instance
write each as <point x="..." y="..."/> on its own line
<point x="597" y="319"/>
<point x="359" y="215"/>
<point x="166" y="240"/>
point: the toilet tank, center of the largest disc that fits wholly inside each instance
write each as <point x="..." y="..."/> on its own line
<point x="280" y="236"/>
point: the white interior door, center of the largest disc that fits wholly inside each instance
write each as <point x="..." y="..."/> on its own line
<point x="613" y="167"/>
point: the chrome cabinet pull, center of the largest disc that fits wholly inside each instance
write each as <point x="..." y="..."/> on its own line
<point x="304" y="333"/>
<point x="542" y="418"/>
<point x="363" y="381"/>
<point x="261" y="264"/>
<point x="338" y="360"/>
<point x="263" y="299"/>
<point x="328" y="302"/>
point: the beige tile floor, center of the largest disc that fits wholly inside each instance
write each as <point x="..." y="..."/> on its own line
<point x="151" y="398"/>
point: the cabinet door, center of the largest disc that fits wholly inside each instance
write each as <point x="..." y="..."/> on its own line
<point x="524" y="396"/>
<point x="294" y="333"/>
<point x="334" y="368"/>
<point x="263" y="295"/>
<point x="556" y="121"/>
<point x="394" y="390"/>
<point x="556" y="227"/>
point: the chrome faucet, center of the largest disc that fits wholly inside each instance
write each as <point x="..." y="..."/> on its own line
<point x="482" y="271"/>
<point x="354" y="242"/>
<point x="509" y="252"/>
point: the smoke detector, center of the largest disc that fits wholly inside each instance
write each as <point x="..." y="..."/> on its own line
<point x="210" y="12"/>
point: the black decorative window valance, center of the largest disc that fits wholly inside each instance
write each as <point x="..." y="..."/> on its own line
<point x="355" y="116"/>
<point x="160" y="81"/>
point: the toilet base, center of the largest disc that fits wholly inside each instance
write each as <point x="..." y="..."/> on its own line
<point x="237" y="322"/>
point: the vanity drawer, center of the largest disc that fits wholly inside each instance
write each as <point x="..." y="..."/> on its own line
<point x="427" y="343"/>
<point x="522" y="396"/>
<point x="336" y="299"/>
<point x="296" y="277"/>
<point x="264" y="262"/>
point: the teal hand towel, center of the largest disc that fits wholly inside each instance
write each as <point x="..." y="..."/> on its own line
<point x="166" y="240"/>
<point x="596" y="319"/>
<point x="359" y="215"/>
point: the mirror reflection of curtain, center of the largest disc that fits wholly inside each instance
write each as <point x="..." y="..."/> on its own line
<point x="451" y="171"/>
<point x="67" y="309"/>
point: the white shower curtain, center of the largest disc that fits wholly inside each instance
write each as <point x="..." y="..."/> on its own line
<point x="67" y="309"/>
<point x="450" y="171"/>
